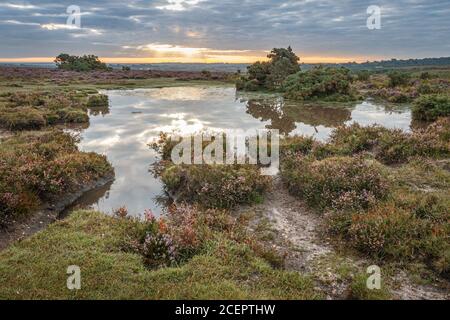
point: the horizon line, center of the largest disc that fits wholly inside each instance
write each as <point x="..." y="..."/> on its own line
<point x="235" y="60"/>
<point x="230" y="60"/>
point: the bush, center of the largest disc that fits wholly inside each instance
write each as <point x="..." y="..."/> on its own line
<point x="431" y="107"/>
<point x="398" y="78"/>
<point x="270" y="75"/>
<point x="76" y="63"/>
<point x="26" y="118"/>
<point x="33" y="110"/>
<point x="390" y="232"/>
<point x="363" y="75"/>
<point x="336" y="182"/>
<point x="35" y="167"/>
<point x="392" y="145"/>
<point x="359" y="290"/>
<point x="215" y="186"/>
<point x="98" y="100"/>
<point x="320" y="82"/>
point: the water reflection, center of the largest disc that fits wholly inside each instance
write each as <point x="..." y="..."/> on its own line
<point x="136" y="117"/>
<point x="286" y="116"/>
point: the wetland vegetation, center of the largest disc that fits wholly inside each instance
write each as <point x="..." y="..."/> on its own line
<point x="380" y="190"/>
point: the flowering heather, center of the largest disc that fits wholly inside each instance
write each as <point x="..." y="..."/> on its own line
<point x="216" y="186"/>
<point x="392" y="145"/>
<point x="37" y="167"/>
<point x="336" y="182"/>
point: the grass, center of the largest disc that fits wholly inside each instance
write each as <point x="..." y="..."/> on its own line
<point x="36" y="267"/>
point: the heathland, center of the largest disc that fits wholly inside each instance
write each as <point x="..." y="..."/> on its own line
<point x="377" y="195"/>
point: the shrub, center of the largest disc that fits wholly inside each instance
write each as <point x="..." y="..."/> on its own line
<point x="363" y="75"/>
<point x="35" y="167"/>
<point x="398" y="78"/>
<point x="33" y="110"/>
<point x="355" y="138"/>
<point x="25" y="118"/>
<point x="187" y="231"/>
<point x="270" y="75"/>
<point x="390" y="232"/>
<point x="215" y="186"/>
<point x="392" y="145"/>
<point x="98" y="100"/>
<point x="71" y="115"/>
<point x="336" y="182"/>
<point x="75" y="63"/>
<point x="320" y="82"/>
<point x="359" y="290"/>
<point x="431" y="107"/>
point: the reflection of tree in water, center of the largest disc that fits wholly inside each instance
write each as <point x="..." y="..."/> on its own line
<point x="283" y="116"/>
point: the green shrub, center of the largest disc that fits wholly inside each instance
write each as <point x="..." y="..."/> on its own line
<point x="71" y="115"/>
<point x="75" y="63"/>
<point x="398" y="78"/>
<point x="320" y="82"/>
<point x="25" y="118"/>
<point x="393" y="233"/>
<point x="431" y="107"/>
<point x="271" y="74"/>
<point x="336" y="182"/>
<point x="392" y="145"/>
<point x="363" y="75"/>
<point x="98" y="100"/>
<point x="216" y="186"/>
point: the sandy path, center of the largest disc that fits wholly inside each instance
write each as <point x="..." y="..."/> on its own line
<point x="302" y="232"/>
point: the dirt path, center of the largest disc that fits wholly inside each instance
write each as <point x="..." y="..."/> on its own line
<point x="310" y="250"/>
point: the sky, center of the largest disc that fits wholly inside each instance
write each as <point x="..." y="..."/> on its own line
<point x="233" y="31"/>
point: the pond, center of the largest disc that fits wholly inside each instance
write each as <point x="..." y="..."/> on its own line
<point x="135" y="118"/>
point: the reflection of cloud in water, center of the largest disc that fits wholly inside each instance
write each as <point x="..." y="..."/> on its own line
<point x="136" y="117"/>
<point x="368" y="113"/>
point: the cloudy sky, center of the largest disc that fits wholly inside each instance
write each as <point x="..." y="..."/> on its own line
<point x="223" y="30"/>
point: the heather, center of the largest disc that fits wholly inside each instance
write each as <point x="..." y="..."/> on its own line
<point x="39" y="167"/>
<point x="211" y="185"/>
<point x="101" y="245"/>
<point x="36" y="110"/>
<point x="384" y="192"/>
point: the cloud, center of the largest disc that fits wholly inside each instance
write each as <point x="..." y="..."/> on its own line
<point x="319" y="28"/>
<point x="178" y="5"/>
<point x="18" y="6"/>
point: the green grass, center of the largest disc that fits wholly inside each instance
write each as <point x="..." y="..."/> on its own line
<point x="36" y="268"/>
<point x="49" y="85"/>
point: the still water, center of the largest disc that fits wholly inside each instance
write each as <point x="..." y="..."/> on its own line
<point x="136" y="117"/>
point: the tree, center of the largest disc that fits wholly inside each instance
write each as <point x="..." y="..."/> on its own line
<point x="271" y="74"/>
<point x="75" y="63"/>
